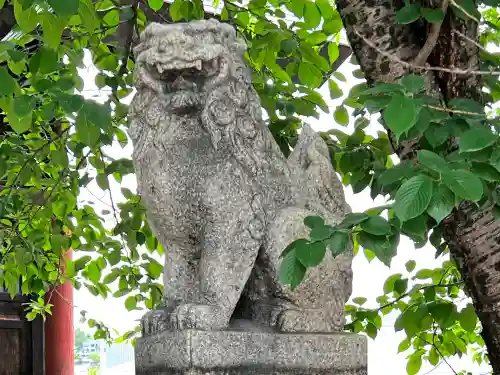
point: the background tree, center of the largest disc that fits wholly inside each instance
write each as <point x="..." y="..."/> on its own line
<point x="428" y="71"/>
<point x="80" y="338"/>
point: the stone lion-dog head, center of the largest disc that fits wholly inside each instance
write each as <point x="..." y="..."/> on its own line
<point x="197" y="69"/>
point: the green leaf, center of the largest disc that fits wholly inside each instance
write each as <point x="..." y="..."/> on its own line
<point x="93" y="272"/>
<point x="131" y="303"/>
<point x="109" y="278"/>
<point x="442" y="203"/>
<point x="424" y="273"/>
<point x="376" y="225"/>
<point x="443" y="312"/>
<point x="436" y="134"/>
<point x="476" y="139"/>
<point x="313" y="222"/>
<point x="19" y="124"/>
<point x="413" y="83"/>
<point x="26" y="19"/>
<point x="310" y="254"/>
<point x="47" y="61"/>
<point x="8" y="86"/>
<point x="52" y="30"/>
<point x="404" y="345"/>
<point x="335" y="91"/>
<point x="309" y="75"/>
<point x="65" y="7"/>
<point x="389" y="283"/>
<point x="469" y="6"/>
<point x="341" y="115"/>
<point x="486" y="172"/>
<point x="414" y="364"/>
<point x="413" y="197"/>
<point x="359" y="300"/>
<point x="333" y="52"/>
<point x="415" y="228"/>
<point x="155" y="269"/>
<point x="291" y="271"/>
<point x="353" y="219"/>
<point x="22" y="105"/>
<point x="70" y="103"/>
<point x="338" y="242"/>
<point x="433" y="161"/>
<point x="80" y="263"/>
<point x="495" y="158"/>
<point x="432" y="15"/>
<point x="401" y="114"/>
<point x="320" y="233"/>
<point x="400" y="286"/>
<point x="88" y="15"/>
<point x="408" y="14"/>
<point x="468" y="318"/>
<point x="467" y="105"/>
<point x="433" y="357"/>
<point x="296" y="6"/>
<point x="380" y="245"/>
<point x="397" y="173"/>
<point x="155" y="4"/>
<point x="464" y="184"/>
<point x="384" y="88"/>
<point x="312" y="16"/>
<point x="326" y="8"/>
<point x="114" y="257"/>
<point x="87" y="132"/>
<point x="102" y="181"/>
<point x="410" y="265"/>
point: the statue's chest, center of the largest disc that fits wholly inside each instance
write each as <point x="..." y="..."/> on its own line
<point x="179" y="154"/>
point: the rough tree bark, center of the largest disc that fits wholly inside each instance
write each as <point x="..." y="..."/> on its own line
<point x="472" y="234"/>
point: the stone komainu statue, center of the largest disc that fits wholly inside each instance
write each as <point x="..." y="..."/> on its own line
<point x="220" y="195"/>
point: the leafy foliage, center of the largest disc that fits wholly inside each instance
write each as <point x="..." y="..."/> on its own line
<point x="53" y="144"/>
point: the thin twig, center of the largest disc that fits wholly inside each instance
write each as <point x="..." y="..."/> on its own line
<point x="439" y="351"/>
<point x="471" y="41"/>
<point x="432" y="38"/>
<point x="426" y="68"/>
<point x="454" y="3"/>
<point x="408" y="294"/>
<point x="456" y="111"/>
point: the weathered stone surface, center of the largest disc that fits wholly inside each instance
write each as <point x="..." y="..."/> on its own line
<point x="250" y="352"/>
<point x="221" y="197"/>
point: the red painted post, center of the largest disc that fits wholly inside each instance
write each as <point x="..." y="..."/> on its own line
<point x="59" y="331"/>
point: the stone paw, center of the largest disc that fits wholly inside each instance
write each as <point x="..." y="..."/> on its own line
<point x="154" y="322"/>
<point x="303" y="320"/>
<point x="204" y="317"/>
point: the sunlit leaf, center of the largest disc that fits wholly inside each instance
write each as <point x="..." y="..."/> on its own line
<point x="413" y="197"/>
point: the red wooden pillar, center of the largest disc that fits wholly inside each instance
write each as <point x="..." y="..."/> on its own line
<point x="59" y="331"/>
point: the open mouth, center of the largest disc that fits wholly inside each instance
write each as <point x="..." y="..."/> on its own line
<point x="187" y="76"/>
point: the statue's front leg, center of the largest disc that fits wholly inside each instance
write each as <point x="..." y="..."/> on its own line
<point x="229" y="247"/>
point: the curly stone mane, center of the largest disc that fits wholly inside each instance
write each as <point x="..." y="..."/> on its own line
<point x="209" y="56"/>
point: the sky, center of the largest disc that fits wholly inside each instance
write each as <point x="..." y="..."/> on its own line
<point x="369" y="277"/>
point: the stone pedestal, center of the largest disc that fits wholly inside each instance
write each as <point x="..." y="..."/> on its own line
<point x="250" y="352"/>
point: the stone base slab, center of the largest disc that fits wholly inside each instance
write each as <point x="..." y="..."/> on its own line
<point x="235" y="352"/>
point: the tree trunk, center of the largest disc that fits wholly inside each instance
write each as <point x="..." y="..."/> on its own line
<point x="472" y="234"/>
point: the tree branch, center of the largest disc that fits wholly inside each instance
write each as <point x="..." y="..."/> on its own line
<point x="432" y="38"/>
<point x="425" y="68"/>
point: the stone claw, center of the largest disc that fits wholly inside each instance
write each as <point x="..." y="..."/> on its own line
<point x="154" y="322"/>
<point x="194" y="316"/>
